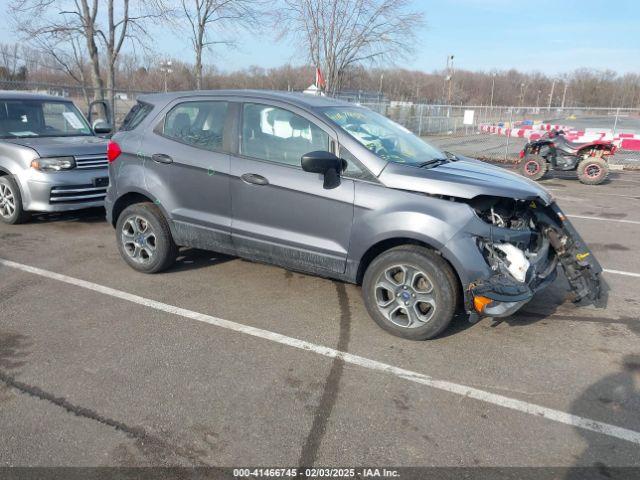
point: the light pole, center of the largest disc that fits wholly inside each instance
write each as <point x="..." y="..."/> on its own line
<point x="493" y="85"/>
<point x="449" y="76"/>
<point x="553" y="86"/>
<point x="165" y="67"/>
<point x="564" y="94"/>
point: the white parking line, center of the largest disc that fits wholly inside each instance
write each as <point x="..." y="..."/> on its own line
<point x="593" y="193"/>
<point x="603" y="219"/>
<point x="620" y="272"/>
<point x="458" y="389"/>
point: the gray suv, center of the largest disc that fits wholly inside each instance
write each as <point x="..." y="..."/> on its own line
<point x="326" y="187"/>
<point x="51" y="160"/>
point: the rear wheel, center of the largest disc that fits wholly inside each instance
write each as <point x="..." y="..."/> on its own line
<point x="533" y="167"/>
<point x="144" y="239"/>
<point x="411" y="292"/>
<point x="11" y="210"/>
<point x="593" y="171"/>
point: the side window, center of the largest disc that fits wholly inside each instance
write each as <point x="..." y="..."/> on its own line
<point x="278" y="135"/>
<point x="199" y="124"/>
<point x="354" y="168"/>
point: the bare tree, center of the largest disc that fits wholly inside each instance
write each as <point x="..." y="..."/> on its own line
<point x="59" y="28"/>
<point x="339" y="34"/>
<point x="72" y="29"/>
<point x="9" y="59"/>
<point x="204" y="16"/>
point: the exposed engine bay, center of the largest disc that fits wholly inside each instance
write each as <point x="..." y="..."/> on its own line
<point x="526" y="242"/>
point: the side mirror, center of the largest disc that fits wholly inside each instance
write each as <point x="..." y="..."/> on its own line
<point x="98" y="110"/>
<point x="102" y="128"/>
<point x="451" y="156"/>
<point x="325" y="163"/>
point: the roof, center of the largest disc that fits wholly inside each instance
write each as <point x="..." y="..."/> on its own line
<point x="18" y="95"/>
<point x="295" y="98"/>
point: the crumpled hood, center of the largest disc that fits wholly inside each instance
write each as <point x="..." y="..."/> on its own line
<point x="63" y="146"/>
<point x="465" y="178"/>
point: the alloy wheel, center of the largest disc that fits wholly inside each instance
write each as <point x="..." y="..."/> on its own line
<point x="405" y="296"/>
<point x="7" y="201"/>
<point x="138" y="239"/>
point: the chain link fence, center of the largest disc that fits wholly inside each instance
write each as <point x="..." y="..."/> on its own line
<point x="81" y="96"/>
<point x="455" y="128"/>
<point x="462" y="129"/>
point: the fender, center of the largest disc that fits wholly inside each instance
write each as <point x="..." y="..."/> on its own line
<point x="380" y="217"/>
<point x="14" y="159"/>
<point x="597" y="143"/>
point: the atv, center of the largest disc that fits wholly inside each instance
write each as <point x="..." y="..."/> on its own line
<point x="554" y="152"/>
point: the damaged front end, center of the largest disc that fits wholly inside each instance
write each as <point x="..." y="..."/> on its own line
<point x="523" y="242"/>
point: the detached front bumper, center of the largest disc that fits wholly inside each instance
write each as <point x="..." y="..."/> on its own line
<point x="496" y="293"/>
<point x="501" y="296"/>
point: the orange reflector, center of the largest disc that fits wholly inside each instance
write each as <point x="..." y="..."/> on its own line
<point x="480" y="303"/>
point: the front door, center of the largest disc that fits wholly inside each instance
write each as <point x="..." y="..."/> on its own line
<point x="280" y="213"/>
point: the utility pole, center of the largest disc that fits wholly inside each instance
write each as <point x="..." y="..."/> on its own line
<point x="522" y="88"/>
<point x="564" y="94"/>
<point x="380" y="89"/>
<point x="493" y="85"/>
<point x="553" y="86"/>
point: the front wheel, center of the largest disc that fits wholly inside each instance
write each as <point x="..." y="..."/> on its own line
<point x="411" y="292"/>
<point x="593" y="171"/>
<point x="533" y="167"/>
<point x="11" y="209"/>
<point x="144" y="239"/>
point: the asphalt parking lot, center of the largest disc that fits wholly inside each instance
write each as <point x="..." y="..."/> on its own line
<point x="224" y="362"/>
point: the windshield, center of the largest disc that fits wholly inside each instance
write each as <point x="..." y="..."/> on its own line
<point x="385" y="138"/>
<point x="41" y="118"/>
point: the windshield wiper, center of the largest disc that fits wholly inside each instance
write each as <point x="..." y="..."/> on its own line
<point x="433" y="162"/>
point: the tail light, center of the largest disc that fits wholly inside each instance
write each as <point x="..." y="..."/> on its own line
<point x="113" y="151"/>
<point x="521" y="154"/>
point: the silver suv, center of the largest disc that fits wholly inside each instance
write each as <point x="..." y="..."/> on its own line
<point x="51" y="160"/>
<point x="330" y="188"/>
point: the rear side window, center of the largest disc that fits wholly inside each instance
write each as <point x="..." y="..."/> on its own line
<point x="199" y="124"/>
<point x="136" y="115"/>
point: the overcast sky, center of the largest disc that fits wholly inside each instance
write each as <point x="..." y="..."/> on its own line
<point x="545" y="35"/>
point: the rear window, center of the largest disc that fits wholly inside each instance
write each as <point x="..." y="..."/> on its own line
<point x="136" y="115"/>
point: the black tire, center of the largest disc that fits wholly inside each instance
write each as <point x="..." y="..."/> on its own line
<point x="593" y="171"/>
<point x="533" y="167"/>
<point x="19" y="215"/>
<point x="164" y="251"/>
<point x="445" y="290"/>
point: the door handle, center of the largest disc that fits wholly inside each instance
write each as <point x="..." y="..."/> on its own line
<point x="254" y="179"/>
<point x="161" y="158"/>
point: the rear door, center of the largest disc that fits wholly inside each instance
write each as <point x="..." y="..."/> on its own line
<point x="187" y="170"/>
<point x="282" y="214"/>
